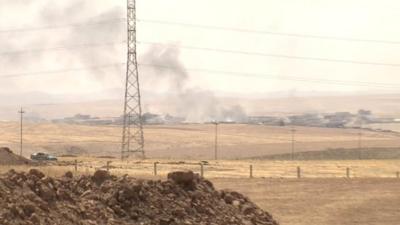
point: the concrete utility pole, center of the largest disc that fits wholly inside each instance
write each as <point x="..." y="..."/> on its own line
<point x="21" y="112"/>
<point x="293" y="133"/>
<point x="216" y="142"/>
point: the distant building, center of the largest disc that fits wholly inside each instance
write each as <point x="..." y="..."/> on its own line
<point x="267" y="120"/>
<point x="338" y="119"/>
<point x="86" y="119"/>
<point x="312" y="120"/>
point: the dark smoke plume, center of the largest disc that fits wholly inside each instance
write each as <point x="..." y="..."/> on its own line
<point x="195" y="104"/>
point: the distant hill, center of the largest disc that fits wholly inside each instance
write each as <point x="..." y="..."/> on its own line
<point x="51" y="107"/>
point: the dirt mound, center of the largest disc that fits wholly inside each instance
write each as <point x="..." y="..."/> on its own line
<point x="7" y="157"/>
<point x="185" y="198"/>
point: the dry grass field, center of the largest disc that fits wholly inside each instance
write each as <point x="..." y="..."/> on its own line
<point x="311" y="200"/>
<point x="319" y="201"/>
<point x="385" y="126"/>
<point x="228" y="168"/>
<point x="323" y="196"/>
<point x="191" y="141"/>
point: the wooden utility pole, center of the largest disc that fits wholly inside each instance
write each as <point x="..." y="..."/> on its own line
<point x="216" y="142"/>
<point x="201" y="170"/>
<point x="155" y="168"/>
<point x="360" y="144"/>
<point x="298" y="172"/>
<point x="293" y="133"/>
<point x="21" y="112"/>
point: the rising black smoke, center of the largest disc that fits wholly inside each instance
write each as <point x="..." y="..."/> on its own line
<point x="195" y="104"/>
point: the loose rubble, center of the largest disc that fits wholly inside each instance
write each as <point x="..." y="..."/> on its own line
<point x="34" y="199"/>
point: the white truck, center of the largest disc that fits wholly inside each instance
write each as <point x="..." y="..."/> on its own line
<point x="41" y="156"/>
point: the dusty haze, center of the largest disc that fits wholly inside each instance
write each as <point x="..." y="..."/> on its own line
<point x="187" y="92"/>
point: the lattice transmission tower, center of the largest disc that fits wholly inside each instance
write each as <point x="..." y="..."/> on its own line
<point x="132" y="135"/>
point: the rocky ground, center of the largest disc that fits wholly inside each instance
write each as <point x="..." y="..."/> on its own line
<point x="185" y="198"/>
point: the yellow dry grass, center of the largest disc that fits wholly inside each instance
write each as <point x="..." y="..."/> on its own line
<point x="190" y="141"/>
<point x="227" y="168"/>
<point x="310" y="200"/>
<point x="323" y="196"/>
<point x="320" y="201"/>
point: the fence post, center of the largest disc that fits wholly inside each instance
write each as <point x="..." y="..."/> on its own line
<point x="155" y="168"/>
<point x="108" y="165"/>
<point x="201" y="170"/>
<point x="298" y="172"/>
<point x="348" y="172"/>
<point x="398" y="174"/>
<point x="76" y="165"/>
<point x="251" y="171"/>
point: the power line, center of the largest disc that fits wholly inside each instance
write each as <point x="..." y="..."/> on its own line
<point x="70" y="141"/>
<point x="202" y="26"/>
<point x="204" y="70"/>
<point x="60" y="26"/>
<point x="274" y="55"/>
<point x="257" y="137"/>
<point x="61" y="48"/>
<point x="279" y="77"/>
<point x="38" y="73"/>
<point x="82" y="141"/>
<point x="264" y="32"/>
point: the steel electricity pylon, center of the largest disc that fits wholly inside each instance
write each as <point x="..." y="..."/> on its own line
<point x="132" y="135"/>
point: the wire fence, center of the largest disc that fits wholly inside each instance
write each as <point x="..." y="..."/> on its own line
<point x="226" y="169"/>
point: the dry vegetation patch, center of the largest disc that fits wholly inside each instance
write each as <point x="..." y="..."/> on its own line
<point x="189" y="141"/>
<point x="333" y="201"/>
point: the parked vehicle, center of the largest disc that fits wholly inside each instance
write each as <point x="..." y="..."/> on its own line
<point x="41" y="156"/>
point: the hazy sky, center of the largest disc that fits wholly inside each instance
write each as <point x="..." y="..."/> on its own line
<point x="361" y="19"/>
